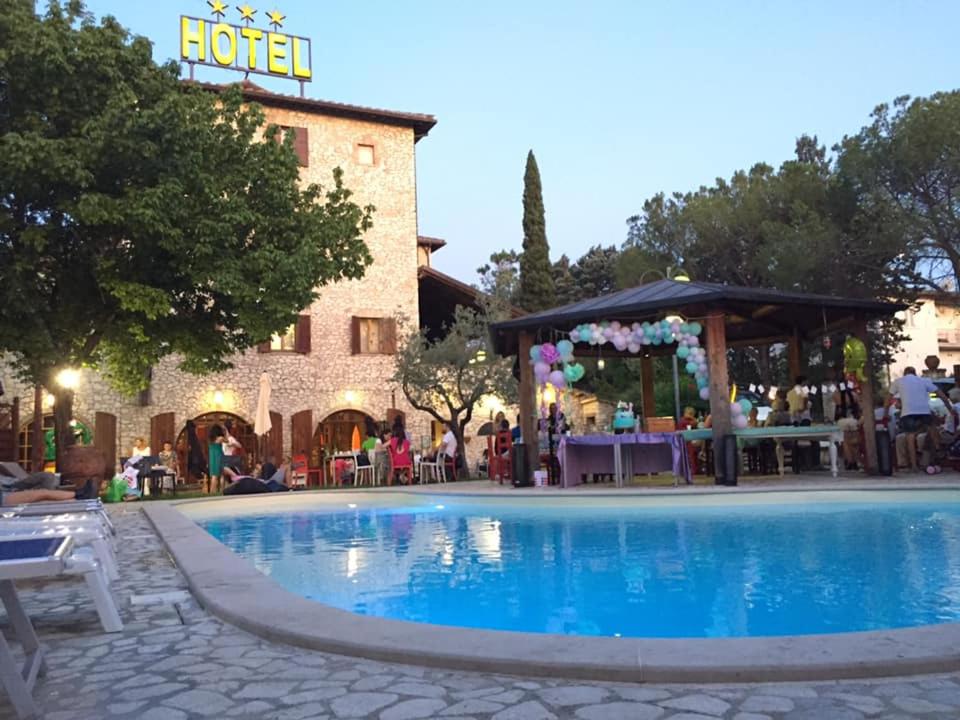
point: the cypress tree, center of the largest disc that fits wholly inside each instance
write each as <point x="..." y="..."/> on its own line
<point x="536" y="278"/>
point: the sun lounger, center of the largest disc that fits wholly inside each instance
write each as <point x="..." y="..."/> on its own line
<point x="38" y="558"/>
<point x="61" y="512"/>
<point x="84" y="534"/>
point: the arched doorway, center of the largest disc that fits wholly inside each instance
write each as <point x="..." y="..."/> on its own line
<point x="25" y="440"/>
<point x="242" y="431"/>
<point x="338" y="430"/>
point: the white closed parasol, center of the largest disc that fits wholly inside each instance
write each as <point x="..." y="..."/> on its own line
<point x="261" y="420"/>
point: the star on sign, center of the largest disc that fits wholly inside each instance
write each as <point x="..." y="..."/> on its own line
<point x="246" y="12"/>
<point x="276" y="19"/>
<point x="218" y="7"/>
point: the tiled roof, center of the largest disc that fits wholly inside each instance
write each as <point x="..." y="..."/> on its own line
<point x="420" y="123"/>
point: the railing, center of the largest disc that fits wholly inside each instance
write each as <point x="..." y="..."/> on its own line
<point x="948" y="337"/>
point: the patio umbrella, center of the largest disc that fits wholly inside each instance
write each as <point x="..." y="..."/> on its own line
<point x="261" y="420"/>
<point x="486" y="429"/>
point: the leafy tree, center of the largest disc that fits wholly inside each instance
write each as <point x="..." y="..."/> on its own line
<point x="595" y="273"/>
<point x="565" y="286"/>
<point x="141" y="218"/>
<point x="906" y="166"/>
<point x="447" y="378"/>
<point x="500" y="278"/>
<point x="536" y="280"/>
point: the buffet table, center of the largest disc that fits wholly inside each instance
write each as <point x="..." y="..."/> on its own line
<point x="622" y="456"/>
<point x="831" y="433"/>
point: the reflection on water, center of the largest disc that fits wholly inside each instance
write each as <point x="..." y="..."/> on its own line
<point x="651" y="572"/>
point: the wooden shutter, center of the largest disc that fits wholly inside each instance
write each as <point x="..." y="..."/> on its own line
<point x="388" y="336"/>
<point x="264" y="347"/>
<point x="105" y="440"/>
<point x="275" y="437"/>
<point x="355" y="335"/>
<point x="301" y="146"/>
<point x="161" y="430"/>
<point x="301" y="335"/>
<point x="301" y="431"/>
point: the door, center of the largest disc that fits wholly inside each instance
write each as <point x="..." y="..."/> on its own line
<point x="301" y="430"/>
<point x="275" y="438"/>
<point x="105" y="440"/>
<point x="161" y="431"/>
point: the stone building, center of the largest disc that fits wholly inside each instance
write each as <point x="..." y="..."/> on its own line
<point x="932" y="328"/>
<point x="333" y="368"/>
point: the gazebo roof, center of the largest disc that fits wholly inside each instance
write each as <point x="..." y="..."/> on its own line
<point x="753" y="315"/>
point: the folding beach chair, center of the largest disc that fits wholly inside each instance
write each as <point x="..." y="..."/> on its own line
<point x="38" y="558"/>
<point x="62" y="512"/>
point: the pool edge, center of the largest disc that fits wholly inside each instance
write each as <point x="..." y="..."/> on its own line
<point x="233" y="590"/>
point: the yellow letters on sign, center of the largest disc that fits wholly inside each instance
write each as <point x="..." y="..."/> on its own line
<point x="190" y="37"/>
<point x="223" y="30"/>
<point x="222" y="44"/>
<point x="277" y="51"/>
<point x="252" y="36"/>
<point x="298" y="69"/>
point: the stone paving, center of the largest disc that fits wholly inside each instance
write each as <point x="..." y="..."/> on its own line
<point x="176" y="662"/>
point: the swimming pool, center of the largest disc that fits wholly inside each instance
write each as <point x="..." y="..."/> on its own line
<point x="768" y="564"/>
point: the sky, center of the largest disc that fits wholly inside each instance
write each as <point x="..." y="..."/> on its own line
<point x="619" y="100"/>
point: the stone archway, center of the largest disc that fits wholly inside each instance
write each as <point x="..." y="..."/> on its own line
<point x="242" y="431"/>
<point x="337" y="429"/>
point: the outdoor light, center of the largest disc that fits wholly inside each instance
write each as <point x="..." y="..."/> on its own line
<point x="68" y="378"/>
<point x="350" y="396"/>
<point x="218" y="398"/>
<point x="674" y="318"/>
<point x="681" y="277"/>
<point x="549" y="394"/>
<point x="601" y="364"/>
<point x="49" y="400"/>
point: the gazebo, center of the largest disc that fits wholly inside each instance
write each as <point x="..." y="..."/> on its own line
<point x="731" y="315"/>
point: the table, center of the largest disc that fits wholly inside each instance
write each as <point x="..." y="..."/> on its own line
<point x="831" y="433"/>
<point x="622" y="456"/>
<point x="158" y="473"/>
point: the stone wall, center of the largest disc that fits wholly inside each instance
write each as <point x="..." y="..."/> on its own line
<point x="320" y="380"/>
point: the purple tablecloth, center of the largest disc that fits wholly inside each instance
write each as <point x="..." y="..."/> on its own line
<point x="650" y="453"/>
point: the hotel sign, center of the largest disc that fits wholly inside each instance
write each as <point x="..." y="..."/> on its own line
<point x="243" y="47"/>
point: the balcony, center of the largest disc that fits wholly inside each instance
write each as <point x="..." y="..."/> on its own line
<point x="948" y="338"/>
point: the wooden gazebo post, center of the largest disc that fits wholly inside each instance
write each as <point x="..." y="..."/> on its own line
<point x="861" y="330"/>
<point x="528" y="402"/>
<point x="719" y="392"/>
<point x="647" y="386"/>
<point x="38" y="449"/>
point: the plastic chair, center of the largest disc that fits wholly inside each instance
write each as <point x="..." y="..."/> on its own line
<point x="436" y="469"/>
<point x="298" y="471"/>
<point x="363" y="473"/>
<point x="400" y="460"/>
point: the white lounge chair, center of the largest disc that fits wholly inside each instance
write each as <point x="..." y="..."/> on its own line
<point x="39" y="558"/>
<point x="61" y="512"/>
<point x="84" y="534"/>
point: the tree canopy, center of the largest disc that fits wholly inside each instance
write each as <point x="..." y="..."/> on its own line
<point x="448" y="378"/>
<point x="906" y="166"/>
<point x="141" y="217"/>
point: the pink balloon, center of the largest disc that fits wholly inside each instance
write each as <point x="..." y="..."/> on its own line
<point x="541" y="372"/>
<point x="557" y="379"/>
<point x="693" y="340"/>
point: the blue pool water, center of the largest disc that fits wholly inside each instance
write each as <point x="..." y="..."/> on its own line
<point x="621" y="567"/>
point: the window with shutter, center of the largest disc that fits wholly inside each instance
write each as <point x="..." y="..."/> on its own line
<point x="373" y="336"/>
<point x="302" y="335"/>
<point x="301" y="144"/>
<point x="287" y="341"/>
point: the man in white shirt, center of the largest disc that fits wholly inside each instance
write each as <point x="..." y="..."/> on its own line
<point x="915" y="414"/>
<point x="231" y="446"/>
<point x="448" y="446"/>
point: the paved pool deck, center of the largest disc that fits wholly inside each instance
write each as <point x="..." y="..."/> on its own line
<point x="175" y="661"/>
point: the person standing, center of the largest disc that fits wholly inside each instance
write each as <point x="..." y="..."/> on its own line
<point x="215" y="458"/>
<point x="915" y="414"/>
<point x="196" y="462"/>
